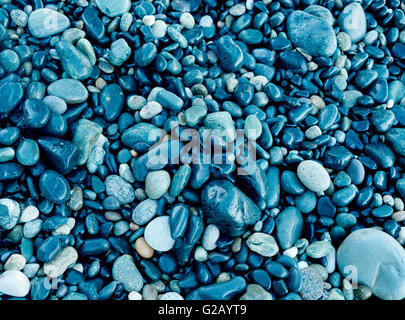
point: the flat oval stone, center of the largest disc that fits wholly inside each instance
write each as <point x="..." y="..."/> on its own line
<point x="144" y="211"/>
<point x="157" y="183"/>
<point x="69" y="90"/>
<point x="379" y="262"/>
<point x="112" y="101"/>
<point x="145" y="54"/>
<point x="57" y="266"/>
<point x="352" y="20"/>
<point x="113" y="8"/>
<point x="11" y="94"/>
<point x="54" y="187"/>
<point x="141" y="136"/>
<point x="228" y="208"/>
<point x="45" y="22"/>
<point x="262" y="243"/>
<point x="92" y="23"/>
<point x="381" y="154"/>
<point x="313" y="175"/>
<point x="178" y="220"/>
<point x="319" y="249"/>
<point x="94" y="247"/>
<point x="289" y="224"/>
<point x="74" y="62"/>
<point x="27" y="152"/>
<point x="157" y="234"/>
<point x="311" y="33"/>
<point x="49" y="249"/>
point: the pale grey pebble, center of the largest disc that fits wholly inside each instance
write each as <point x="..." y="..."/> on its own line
<point x="157" y="234"/>
<point x="19" y="17"/>
<point x="144" y="211"/>
<point x="55" y="104"/>
<point x="28" y="214"/>
<point x="126" y="173"/>
<point x="125" y="272"/>
<point x="31" y="269"/>
<point x="126" y="21"/>
<point x="14" y="283"/>
<point x="149" y="292"/>
<point x="32" y="228"/>
<point x="119" y="188"/>
<point x="95" y="159"/>
<point x="210" y="237"/>
<point x="171" y="296"/>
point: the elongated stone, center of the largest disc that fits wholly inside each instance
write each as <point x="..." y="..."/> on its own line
<point x="112" y="101"/>
<point x="74" y="62"/>
<point x="11" y="94"/>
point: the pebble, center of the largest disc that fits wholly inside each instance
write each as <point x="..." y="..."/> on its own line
<point x="113" y="9"/>
<point x="157" y="234"/>
<point x="312" y="284"/>
<point x="352" y="20"/>
<point x="45" y="22"/>
<point x="157" y="183"/>
<point x="119" y="188"/>
<point x="69" y="90"/>
<point x="9" y="213"/>
<point x="228" y="208"/>
<point x="311" y="33"/>
<point x="58" y="265"/>
<point x="313" y="176"/>
<point x="14" y="283"/>
<point x="124" y="271"/>
<point x="379" y="256"/>
<point x="263" y="244"/>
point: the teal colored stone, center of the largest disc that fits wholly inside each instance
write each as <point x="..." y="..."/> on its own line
<point x="311" y="33"/>
<point x="250" y="36"/>
<point x="145" y="54"/>
<point x="396" y="90"/>
<point x="230" y="55"/>
<point x="378" y="261"/>
<point x="180" y="180"/>
<point x="253" y="127"/>
<point x="119" y="52"/>
<point x="85" y="136"/>
<point x="45" y="22"/>
<point x="289" y="226"/>
<point x="157" y="183"/>
<point x="306" y="202"/>
<point x="69" y="90"/>
<point x="396" y="137"/>
<point x="221" y="124"/>
<point x="320" y="12"/>
<point x="319" y="249"/>
<point x="169" y="100"/>
<point x="263" y="244"/>
<point x="352" y="20"/>
<point x="113" y="8"/>
<point x="342" y="179"/>
<point x="9" y="60"/>
<point x="141" y="136"/>
<point x="384" y="211"/>
<point x="346" y="220"/>
<point x="365" y="78"/>
<point x="344" y="196"/>
<point x="194" y="115"/>
<point x="27" y="152"/>
<point x="74" y="62"/>
<point x="383" y="120"/>
<point x="54" y="187"/>
<point x="6" y="154"/>
<point x="144" y="211"/>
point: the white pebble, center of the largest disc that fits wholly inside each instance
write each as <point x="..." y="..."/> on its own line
<point x="148" y="20"/>
<point x="157" y="234"/>
<point x="291" y="252"/>
<point x="133" y="295"/>
<point x="159" y="29"/>
<point x="14" y="283"/>
<point x="151" y="109"/>
<point x="29" y="213"/>
<point x="15" y="262"/>
<point x="302" y="265"/>
<point x="187" y="20"/>
<point x="171" y="296"/>
<point x="210" y="237"/>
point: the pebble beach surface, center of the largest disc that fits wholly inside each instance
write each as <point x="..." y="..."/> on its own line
<point x="106" y="195"/>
